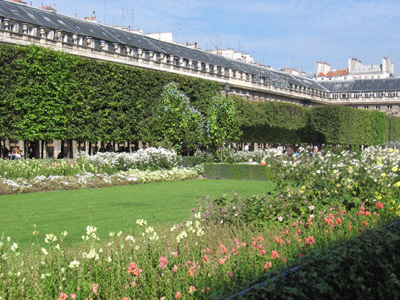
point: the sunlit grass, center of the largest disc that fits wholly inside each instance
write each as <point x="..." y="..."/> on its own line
<point x="111" y="209"/>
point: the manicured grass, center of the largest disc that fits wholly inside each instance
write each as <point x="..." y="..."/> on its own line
<point x="111" y="209"/>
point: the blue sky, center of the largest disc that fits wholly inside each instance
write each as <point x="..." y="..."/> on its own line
<point x="275" y="32"/>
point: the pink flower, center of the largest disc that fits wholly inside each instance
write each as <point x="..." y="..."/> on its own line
<point x="267" y="265"/>
<point x="134" y="269"/>
<point x="162" y="298"/>
<point x="94" y="288"/>
<point x="63" y="296"/>
<point x="223" y="248"/>
<point x="73" y="295"/>
<point x="379" y="205"/>
<point x="178" y="295"/>
<point x="175" y="268"/>
<point x="275" y="254"/>
<point x="230" y="274"/>
<point x="175" y="254"/>
<point x="192" y="289"/>
<point x="133" y="284"/>
<point x="163" y="261"/>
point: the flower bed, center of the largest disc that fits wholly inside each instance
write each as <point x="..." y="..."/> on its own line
<point x="227" y="242"/>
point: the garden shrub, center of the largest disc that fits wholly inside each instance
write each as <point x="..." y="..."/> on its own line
<point x="364" y="267"/>
<point x="238" y="171"/>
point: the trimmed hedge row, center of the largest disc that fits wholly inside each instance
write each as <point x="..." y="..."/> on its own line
<point x="364" y="267"/>
<point x="276" y="122"/>
<point x="50" y="95"/>
<point x="238" y="172"/>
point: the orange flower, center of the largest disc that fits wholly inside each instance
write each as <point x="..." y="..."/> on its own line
<point x="275" y="254"/>
<point x="223" y="260"/>
<point x="339" y="221"/>
<point x="192" y="271"/>
<point x="379" y="205"/>
<point x="223" y="248"/>
<point x="206" y="259"/>
<point x="63" y="296"/>
<point x="267" y="265"/>
<point x="230" y="274"/>
<point x="178" y="295"/>
<point x="134" y="269"/>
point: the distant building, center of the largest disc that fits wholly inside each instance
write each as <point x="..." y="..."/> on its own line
<point x="162" y="36"/>
<point x="232" y="54"/>
<point x="356" y="70"/>
<point x="294" y="71"/>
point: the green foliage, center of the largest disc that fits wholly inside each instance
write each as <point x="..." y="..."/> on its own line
<point x="176" y="123"/>
<point x="49" y="95"/>
<point x="364" y="267"/>
<point x="237" y="171"/>
<point x="221" y="124"/>
<point x="52" y="95"/>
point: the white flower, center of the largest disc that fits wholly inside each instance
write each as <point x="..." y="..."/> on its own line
<point x="141" y="222"/>
<point x="311" y="207"/>
<point x="280" y="219"/>
<point x="14" y="247"/>
<point x="181" y="236"/>
<point x="50" y="238"/>
<point x="129" y="238"/>
<point x="74" y="264"/>
<point x="44" y="251"/>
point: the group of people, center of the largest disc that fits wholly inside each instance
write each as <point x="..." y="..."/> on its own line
<point x="14" y="154"/>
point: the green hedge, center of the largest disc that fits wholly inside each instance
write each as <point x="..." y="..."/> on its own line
<point x="238" y="172"/>
<point x="277" y="122"/>
<point x="50" y="95"/>
<point x="365" y="267"/>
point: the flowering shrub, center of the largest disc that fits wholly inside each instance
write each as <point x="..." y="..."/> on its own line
<point x="108" y="162"/>
<point x="143" y="159"/>
<point x="89" y="180"/>
<point x="196" y="258"/>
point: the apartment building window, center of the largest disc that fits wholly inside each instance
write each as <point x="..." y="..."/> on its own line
<point x="366" y="107"/>
<point x="389" y="107"/>
<point x="378" y="107"/>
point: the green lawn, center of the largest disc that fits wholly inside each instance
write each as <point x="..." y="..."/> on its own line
<point x="111" y="209"/>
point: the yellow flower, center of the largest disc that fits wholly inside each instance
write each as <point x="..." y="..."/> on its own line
<point x="397" y="184"/>
<point x="339" y="185"/>
<point x="390" y="150"/>
<point x="379" y="197"/>
<point x="394" y="169"/>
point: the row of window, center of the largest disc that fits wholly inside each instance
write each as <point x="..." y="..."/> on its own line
<point x="366" y="95"/>
<point x="378" y="107"/>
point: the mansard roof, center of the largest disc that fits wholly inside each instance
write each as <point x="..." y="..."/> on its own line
<point x="57" y="21"/>
<point x="367" y="85"/>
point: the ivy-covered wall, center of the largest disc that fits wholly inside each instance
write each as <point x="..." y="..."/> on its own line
<point x="50" y="95"/>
